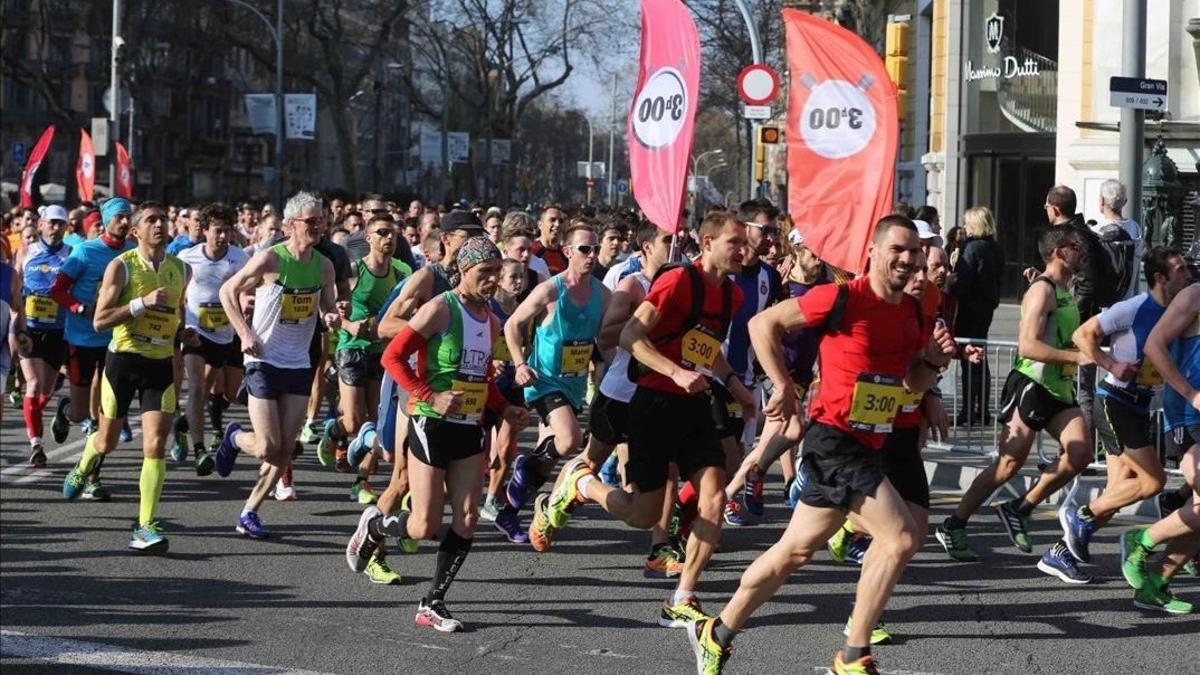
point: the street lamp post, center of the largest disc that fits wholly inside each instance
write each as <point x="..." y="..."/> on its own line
<point x="695" y="174"/>
<point x="591" y="154"/>
<point x="114" y="111"/>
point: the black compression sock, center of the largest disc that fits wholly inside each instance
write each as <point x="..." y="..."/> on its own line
<point x="953" y="523"/>
<point x="850" y="654"/>
<point x="1022" y="506"/>
<point x="452" y="552"/>
<point x="395" y="526"/>
<point x="722" y="634"/>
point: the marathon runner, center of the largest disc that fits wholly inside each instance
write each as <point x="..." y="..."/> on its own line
<point x="1122" y="414"/>
<point x="1039" y="394"/>
<point x="216" y="358"/>
<point x="359" y="349"/>
<point x="878" y="351"/>
<point x="451" y="337"/>
<point x="1173" y="347"/>
<point x="566" y="309"/>
<point x="291" y="283"/>
<point x="548" y="246"/>
<point x="141" y="300"/>
<point x="76" y="289"/>
<point x="321" y="354"/>
<point x="41" y="345"/>
<point x="675" y="336"/>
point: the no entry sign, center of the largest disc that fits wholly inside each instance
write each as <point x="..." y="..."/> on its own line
<point x="758" y="84"/>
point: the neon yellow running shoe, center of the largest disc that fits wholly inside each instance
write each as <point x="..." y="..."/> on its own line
<point x="710" y="656"/>
<point x="380" y="572"/>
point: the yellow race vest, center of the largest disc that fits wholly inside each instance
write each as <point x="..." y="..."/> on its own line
<point x="152" y="334"/>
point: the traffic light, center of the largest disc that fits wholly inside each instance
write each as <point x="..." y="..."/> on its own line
<point x="896" y="60"/>
<point x="769" y="135"/>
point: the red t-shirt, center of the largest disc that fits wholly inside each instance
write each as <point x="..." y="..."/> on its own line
<point x="864" y="363"/>
<point x="555" y="259"/>
<point x="671" y="295"/>
<point x="911" y="416"/>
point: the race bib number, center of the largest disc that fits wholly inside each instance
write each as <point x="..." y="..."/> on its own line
<point x="910" y="401"/>
<point x="157" y="326"/>
<point x="699" y="350"/>
<point x="41" y="309"/>
<point x="470" y="404"/>
<point x="297" y="306"/>
<point x="733" y="408"/>
<point x="876" y="400"/>
<point x="1148" y="375"/>
<point x="500" y="350"/>
<point x="211" y="316"/>
<point x="576" y="354"/>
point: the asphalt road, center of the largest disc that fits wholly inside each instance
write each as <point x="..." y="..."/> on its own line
<point x="72" y="599"/>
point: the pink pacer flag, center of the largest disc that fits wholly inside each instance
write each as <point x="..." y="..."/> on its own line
<point x="32" y="166"/>
<point x="664" y="111"/>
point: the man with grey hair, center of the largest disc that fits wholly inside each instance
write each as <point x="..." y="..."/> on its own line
<point x="1112" y="199"/>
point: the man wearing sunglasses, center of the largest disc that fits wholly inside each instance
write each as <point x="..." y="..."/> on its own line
<point x="1039" y="394"/>
<point x="549" y="246"/>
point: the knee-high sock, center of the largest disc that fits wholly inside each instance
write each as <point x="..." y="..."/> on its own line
<point x="32" y="407"/>
<point x="450" y="557"/>
<point x="154" y="472"/>
<point x="91" y="457"/>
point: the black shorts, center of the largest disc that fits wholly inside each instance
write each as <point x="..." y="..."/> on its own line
<point x="83" y="363"/>
<point x="549" y="403"/>
<point x="358" y="367"/>
<point x="1031" y="401"/>
<point x="608" y="420"/>
<point x="670" y="428"/>
<point x="1120" y="426"/>
<point x="126" y="375"/>
<point x="215" y="354"/>
<point x="265" y="381"/>
<point x="437" y="442"/>
<point x="726" y="412"/>
<point x="837" y="467"/>
<point x="1185" y="437"/>
<point x="903" y="466"/>
<point x="49" y="346"/>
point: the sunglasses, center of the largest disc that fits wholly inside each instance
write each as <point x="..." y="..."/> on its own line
<point x="311" y="220"/>
<point x="767" y="230"/>
<point x="386" y="234"/>
<point x="587" y="249"/>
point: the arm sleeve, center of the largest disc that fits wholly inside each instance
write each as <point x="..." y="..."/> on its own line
<point x="817" y="303"/>
<point x="395" y="361"/>
<point x="1119" y="317"/>
<point x="60" y="291"/>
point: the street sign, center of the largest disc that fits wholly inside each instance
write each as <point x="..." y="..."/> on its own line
<point x="458" y="146"/>
<point x="622" y="187"/>
<point x="126" y="99"/>
<point x="757" y="112"/>
<point x="18" y="154"/>
<point x="591" y="182"/>
<point x="758" y="84"/>
<point x="100" y="136"/>
<point x="1138" y="93"/>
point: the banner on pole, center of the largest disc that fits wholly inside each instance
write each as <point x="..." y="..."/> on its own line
<point x="842" y="133"/>
<point x="431" y="147"/>
<point x="458" y="146"/>
<point x="664" y="110"/>
<point x="85" y="170"/>
<point x="299" y="113"/>
<point x="33" y="164"/>
<point x="124" y="172"/>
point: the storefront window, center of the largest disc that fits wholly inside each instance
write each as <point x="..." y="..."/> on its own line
<point x="1010" y="67"/>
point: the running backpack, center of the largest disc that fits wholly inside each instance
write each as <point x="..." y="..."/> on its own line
<point x="1116" y="266"/>
<point x="636" y="369"/>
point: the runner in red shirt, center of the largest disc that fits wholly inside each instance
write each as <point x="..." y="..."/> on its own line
<point x="868" y="361"/>
<point x="548" y="246"/>
<point x="676" y="337"/>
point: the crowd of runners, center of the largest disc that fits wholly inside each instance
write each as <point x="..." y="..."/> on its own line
<point x="419" y="343"/>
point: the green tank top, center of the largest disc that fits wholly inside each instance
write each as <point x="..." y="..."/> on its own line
<point x="153" y="333"/>
<point x="1057" y="379"/>
<point x="458" y="359"/>
<point x="367" y="298"/>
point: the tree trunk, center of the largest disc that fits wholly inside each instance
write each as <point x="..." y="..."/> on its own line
<point x="345" y="141"/>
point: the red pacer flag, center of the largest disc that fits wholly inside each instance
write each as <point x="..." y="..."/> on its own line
<point x="85" y="170"/>
<point x="664" y="110"/>
<point x="842" y="131"/>
<point x="31" y="166"/>
<point x="124" y="173"/>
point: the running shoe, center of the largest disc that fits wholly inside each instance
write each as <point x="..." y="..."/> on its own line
<point x="436" y="616"/>
<point x="541" y="530"/>
<point x="1192" y="566"/>
<point x="681" y="615"/>
<point x="37" y="456"/>
<point x="361" y="547"/>
<point x="250" y="525"/>
<point x="1058" y="562"/>
<point x="361" y="445"/>
<point x="1016" y="526"/>
<point x="88" y="426"/>
<point x="179" y="435"/>
<point x="126" y="432"/>
<point x="341" y="463"/>
<point x="856" y="550"/>
<point x="839" y="543"/>
<point x="1133" y="558"/>
<point x="93" y="491"/>
<point x="609" y="471"/>
<point x="73" y="484"/>
<point x="380" y="572"/>
<point x="14" y="397"/>
<point x="325" y="444"/>
<point x="148" y="538"/>
<point x="662" y="563"/>
<point x="710" y="656"/>
<point x="733" y="514"/>
<point x="61" y="426"/>
<point x="519" y="486"/>
<point x="285" y="490"/>
<point x="1077" y="532"/>
<point x="752" y="492"/>
<point x="509" y="522"/>
<point x="879" y="634"/>
<point x="228" y="451"/>
<point x="1156" y="595"/>
<point x="566" y="497"/>
<point x="362" y="493"/>
<point x="308" y="434"/>
<point x="954" y="541"/>
<point x="490" y="508"/>
<point x="863" y="666"/>
<point x="204" y="462"/>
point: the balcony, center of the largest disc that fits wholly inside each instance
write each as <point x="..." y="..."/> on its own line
<point x="1030" y="103"/>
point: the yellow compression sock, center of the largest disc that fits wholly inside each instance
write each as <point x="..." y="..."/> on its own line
<point x="90" y="456"/>
<point x="154" y="472"/>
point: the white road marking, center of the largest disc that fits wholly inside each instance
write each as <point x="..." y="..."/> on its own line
<point x="126" y="659"/>
<point x="73" y="446"/>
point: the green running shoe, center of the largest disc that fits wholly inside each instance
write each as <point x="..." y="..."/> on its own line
<point x="681" y="615"/>
<point x="879" y="634"/>
<point x="955" y="543"/>
<point x="1192" y="567"/>
<point x="95" y="492"/>
<point x="1133" y="558"/>
<point x="1156" y="595"/>
<point x="308" y="434"/>
<point x="73" y="484"/>
<point x="204" y="462"/>
<point x="566" y="496"/>
<point x="1015" y="525"/>
<point x="407" y="545"/>
<point x="326" y="445"/>
<point x="380" y="572"/>
<point x="61" y="426"/>
<point x="839" y="543"/>
<point x="710" y="656"/>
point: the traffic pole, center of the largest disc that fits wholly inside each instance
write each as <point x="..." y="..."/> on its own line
<point x="1133" y="122"/>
